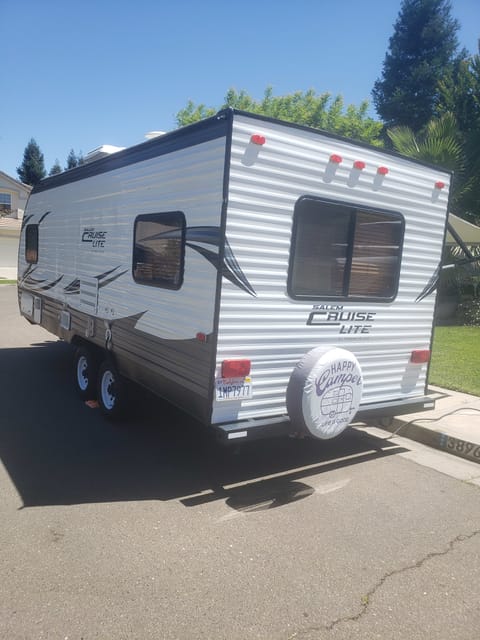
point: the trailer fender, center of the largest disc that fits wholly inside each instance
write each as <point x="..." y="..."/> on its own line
<point x="324" y="392"/>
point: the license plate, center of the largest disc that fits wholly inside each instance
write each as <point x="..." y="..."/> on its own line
<point x="232" y="389"/>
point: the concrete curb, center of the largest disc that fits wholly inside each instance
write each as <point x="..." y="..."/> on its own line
<point x="437" y="439"/>
<point x="452" y="426"/>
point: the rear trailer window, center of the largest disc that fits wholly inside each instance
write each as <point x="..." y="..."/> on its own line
<point x="340" y="251"/>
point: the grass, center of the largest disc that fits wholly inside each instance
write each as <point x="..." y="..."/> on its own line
<point x="6" y="281"/>
<point x="456" y="359"/>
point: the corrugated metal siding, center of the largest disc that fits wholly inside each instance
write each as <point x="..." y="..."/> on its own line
<point x="188" y="180"/>
<point x="271" y="329"/>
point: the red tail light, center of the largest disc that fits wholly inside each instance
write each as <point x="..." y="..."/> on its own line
<point x="257" y="139"/>
<point x="235" y="368"/>
<point x="420" y="356"/>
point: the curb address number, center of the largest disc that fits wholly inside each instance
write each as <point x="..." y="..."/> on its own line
<point x="462" y="448"/>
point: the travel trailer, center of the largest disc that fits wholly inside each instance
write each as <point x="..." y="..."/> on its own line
<point x="265" y="277"/>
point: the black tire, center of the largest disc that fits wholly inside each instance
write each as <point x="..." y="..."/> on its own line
<point x="85" y="372"/>
<point x="111" y="391"/>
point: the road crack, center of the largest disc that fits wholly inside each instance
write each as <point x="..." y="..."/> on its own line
<point x="366" y="599"/>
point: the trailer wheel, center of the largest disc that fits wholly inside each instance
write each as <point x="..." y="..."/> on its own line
<point x="85" y="373"/>
<point x="324" y="392"/>
<point x="111" y="390"/>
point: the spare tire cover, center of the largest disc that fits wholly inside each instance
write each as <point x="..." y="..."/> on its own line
<point x="324" y="392"/>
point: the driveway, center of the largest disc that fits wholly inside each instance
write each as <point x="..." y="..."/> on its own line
<point x="8" y="255"/>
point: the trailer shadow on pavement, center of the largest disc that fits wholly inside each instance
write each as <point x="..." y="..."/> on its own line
<point x="57" y="450"/>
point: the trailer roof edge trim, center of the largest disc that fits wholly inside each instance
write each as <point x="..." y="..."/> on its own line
<point x="182" y="138"/>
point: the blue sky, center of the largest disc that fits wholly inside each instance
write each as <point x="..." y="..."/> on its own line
<point x="81" y="73"/>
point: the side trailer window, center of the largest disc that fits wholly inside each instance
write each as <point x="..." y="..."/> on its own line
<point x="340" y="251"/>
<point x="159" y="249"/>
<point x="31" y="243"/>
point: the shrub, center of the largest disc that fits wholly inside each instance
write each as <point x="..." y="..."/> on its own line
<point x="468" y="313"/>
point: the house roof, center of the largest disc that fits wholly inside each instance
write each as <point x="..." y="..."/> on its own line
<point x="17" y="183"/>
<point x="469" y="233"/>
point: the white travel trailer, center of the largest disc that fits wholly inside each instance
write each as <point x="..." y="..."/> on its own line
<point x="265" y="277"/>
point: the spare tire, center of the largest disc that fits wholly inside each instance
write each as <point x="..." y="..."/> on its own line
<point x="324" y="392"/>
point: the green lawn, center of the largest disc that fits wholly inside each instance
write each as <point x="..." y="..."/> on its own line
<point x="456" y="359"/>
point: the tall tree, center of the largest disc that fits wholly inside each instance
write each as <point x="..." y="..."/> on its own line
<point x="422" y="48"/>
<point x="56" y="168"/>
<point x="32" y="169"/>
<point x="306" y="108"/>
<point x="460" y="94"/>
<point x="72" y="160"/>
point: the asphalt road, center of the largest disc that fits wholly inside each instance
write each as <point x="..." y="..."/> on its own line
<point x="148" y="530"/>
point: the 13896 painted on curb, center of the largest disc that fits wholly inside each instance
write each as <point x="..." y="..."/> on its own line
<point x="463" y="448"/>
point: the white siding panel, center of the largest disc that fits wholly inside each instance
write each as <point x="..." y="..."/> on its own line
<point x="271" y="328"/>
<point x="189" y="180"/>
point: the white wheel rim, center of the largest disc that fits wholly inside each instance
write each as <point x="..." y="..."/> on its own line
<point x="108" y="395"/>
<point x="82" y="377"/>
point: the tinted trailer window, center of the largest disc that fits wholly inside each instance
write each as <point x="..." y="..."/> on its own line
<point x="159" y="249"/>
<point x="344" y="252"/>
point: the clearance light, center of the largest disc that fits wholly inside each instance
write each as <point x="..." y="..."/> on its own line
<point x="335" y="158"/>
<point x="359" y="164"/>
<point x="420" y="356"/>
<point x="201" y="337"/>
<point x="235" y="368"/>
<point x="257" y="139"/>
<point x="382" y="171"/>
<point x="439" y="185"/>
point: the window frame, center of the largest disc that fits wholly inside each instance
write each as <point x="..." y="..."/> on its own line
<point x="354" y="209"/>
<point x="29" y="229"/>
<point x="157" y="217"/>
<point x="7" y="208"/>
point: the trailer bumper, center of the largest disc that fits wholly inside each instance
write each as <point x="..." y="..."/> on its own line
<point x="236" y="432"/>
<point x="393" y="408"/>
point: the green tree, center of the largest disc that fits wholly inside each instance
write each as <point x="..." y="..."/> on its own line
<point x="306" y="108"/>
<point x="421" y="50"/>
<point x="56" y="168"/>
<point x="438" y="143"/>
<point x="32" y="169"/>
<point x="74" y="160"/>
<point x="460" y="94"/>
